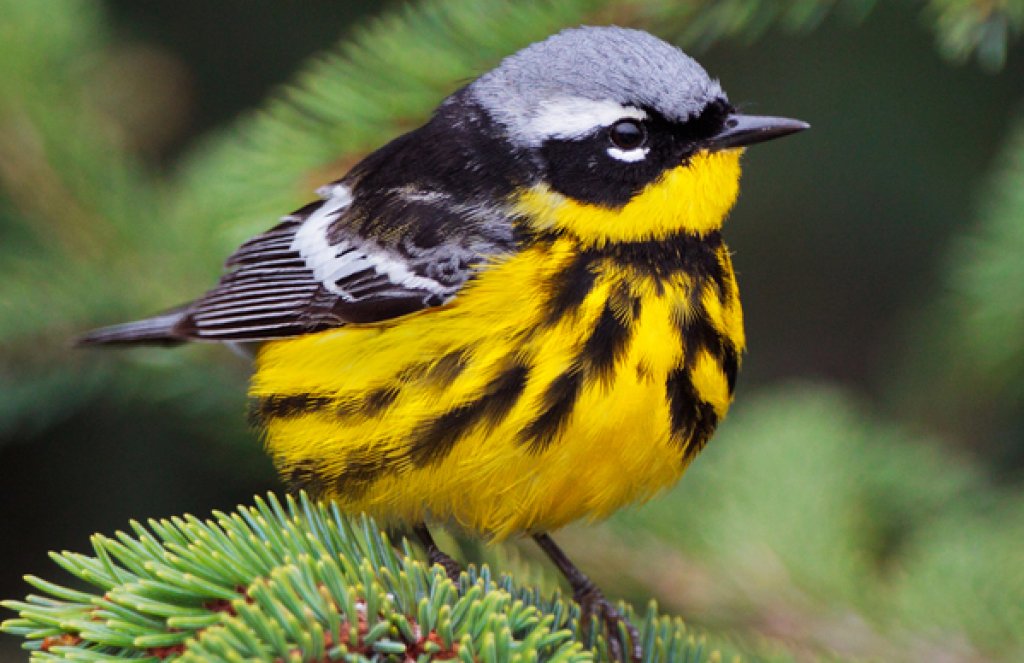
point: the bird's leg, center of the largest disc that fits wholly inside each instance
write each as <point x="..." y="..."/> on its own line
<point x="436" y="555"/>
<point x="592" y="602"/>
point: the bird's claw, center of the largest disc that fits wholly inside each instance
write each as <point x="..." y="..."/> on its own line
<point x="593" y="604"/>
<point x="437" y="556"/>
<point x="451" y="568"/>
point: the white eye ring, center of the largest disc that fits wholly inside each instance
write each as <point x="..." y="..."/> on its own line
<point x="632" y="156"/>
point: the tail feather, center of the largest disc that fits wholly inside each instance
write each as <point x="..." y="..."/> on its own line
<point x="161" y="329"/>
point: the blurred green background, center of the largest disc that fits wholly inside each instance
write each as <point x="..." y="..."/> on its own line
<point x="865" y="499"/>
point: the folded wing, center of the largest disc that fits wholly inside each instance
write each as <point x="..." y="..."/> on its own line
<point x="331" y="263"/>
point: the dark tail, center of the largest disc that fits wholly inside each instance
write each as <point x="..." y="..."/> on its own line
<point x="161" y="329"/>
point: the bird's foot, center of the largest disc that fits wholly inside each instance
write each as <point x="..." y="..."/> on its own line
<point x="593" y="605"/>
<point x="451" y="568"/>
<point x="437" y="556"/>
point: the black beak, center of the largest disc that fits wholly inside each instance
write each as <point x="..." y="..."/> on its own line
<point x="740" y="130"/>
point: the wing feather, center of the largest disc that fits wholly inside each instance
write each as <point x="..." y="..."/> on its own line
<point x="321" y="267"/>
<point x="403" y="231"/>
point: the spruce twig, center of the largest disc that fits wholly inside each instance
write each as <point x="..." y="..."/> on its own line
<point x="299" y="581"/>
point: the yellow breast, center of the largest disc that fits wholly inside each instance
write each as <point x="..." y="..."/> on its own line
<point x="580" y="374"/>
<point x="559" y="384"/>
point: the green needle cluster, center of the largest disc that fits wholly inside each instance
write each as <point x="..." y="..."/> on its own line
<point x="298" y="581"/>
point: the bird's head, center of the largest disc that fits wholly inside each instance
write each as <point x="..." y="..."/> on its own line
<point x="629" y="137"/>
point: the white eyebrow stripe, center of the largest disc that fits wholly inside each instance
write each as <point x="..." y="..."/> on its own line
<point x="573" y="117"/>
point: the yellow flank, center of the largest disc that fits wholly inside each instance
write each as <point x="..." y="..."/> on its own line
<point x="694" y="197"/>
<point x="529" y="401"/>
<point x="710" y="383"/>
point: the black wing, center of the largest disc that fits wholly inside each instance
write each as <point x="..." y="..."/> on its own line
<point x="390" y="238"/>
<point x="335" y="261"/>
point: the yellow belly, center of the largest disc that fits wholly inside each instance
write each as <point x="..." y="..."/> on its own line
<point x="520" y="406"/>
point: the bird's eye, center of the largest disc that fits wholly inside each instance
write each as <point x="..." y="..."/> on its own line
<point x="627" y="134"/>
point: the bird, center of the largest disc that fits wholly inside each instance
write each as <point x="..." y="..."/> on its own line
<point x="517" y="315"/>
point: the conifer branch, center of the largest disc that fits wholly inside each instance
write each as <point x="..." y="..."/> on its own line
<point x="986" y="278"/>
<point x="299" y="581"/>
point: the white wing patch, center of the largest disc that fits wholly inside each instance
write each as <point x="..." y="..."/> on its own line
<point x="314" y="270"/>
<point x="332" y="263"/>
<point x="311" y="238"/>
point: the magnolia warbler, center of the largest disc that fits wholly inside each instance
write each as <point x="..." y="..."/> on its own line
<point x="520" y="314"/>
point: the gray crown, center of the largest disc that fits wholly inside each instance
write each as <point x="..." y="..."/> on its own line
<point x="596" y="63"/>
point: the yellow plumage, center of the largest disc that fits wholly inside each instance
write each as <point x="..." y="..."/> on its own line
<point x="520" y="314"/>
<point x="456" y="413"/>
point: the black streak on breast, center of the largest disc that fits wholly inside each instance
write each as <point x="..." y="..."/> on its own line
<point x="436" y="438"/>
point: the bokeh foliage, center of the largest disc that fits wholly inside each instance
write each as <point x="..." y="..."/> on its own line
<point x="827" y="524"/>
